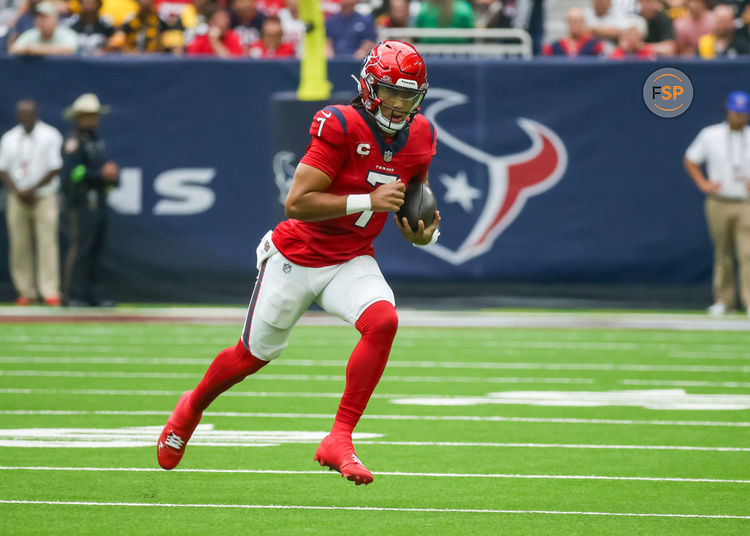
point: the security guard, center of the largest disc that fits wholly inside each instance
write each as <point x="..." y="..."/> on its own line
<point x="87" y="176"/>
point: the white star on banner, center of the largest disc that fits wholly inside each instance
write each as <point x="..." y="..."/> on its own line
<point x="458" y="190"/>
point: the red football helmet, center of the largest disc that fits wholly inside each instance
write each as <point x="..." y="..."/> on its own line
<point x="393" y="80"/>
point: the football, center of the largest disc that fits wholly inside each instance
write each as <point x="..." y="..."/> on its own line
<point x="419" y="204"/>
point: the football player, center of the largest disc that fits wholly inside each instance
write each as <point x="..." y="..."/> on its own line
<point x="352" y="175"/>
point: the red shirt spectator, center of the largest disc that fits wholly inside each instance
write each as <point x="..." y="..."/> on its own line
<point x="219" y="40"/>
<point x="690" y="28"/>
<point x="270" y="44"/>
<point x="579" y="41"/>
<point x="646" y="52"/>
<point x="631" y="44"/>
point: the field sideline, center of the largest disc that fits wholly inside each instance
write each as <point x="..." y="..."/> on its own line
<point x="537" y="423"/>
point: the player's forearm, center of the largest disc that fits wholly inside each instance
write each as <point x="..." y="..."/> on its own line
<point x="315" y="206"/>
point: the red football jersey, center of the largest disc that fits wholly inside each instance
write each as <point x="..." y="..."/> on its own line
<point x="349" y="147"/>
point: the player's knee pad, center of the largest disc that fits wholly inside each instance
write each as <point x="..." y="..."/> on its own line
<point x="379" y="320"/>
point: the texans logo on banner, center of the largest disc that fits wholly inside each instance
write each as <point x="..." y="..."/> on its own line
<point x="481" y="194"/>
<point x="490" y="191"/>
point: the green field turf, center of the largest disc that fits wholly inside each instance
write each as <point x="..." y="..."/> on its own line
<point x="471" y="431"/>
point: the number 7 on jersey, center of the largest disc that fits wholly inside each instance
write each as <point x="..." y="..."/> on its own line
<point x="374" y="179"/>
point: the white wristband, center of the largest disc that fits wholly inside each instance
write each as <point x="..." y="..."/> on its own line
<point x="434" y="239"/>
<point x="357" y="203"/>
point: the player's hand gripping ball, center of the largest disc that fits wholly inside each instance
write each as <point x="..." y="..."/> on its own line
<point x="419" y="204"/>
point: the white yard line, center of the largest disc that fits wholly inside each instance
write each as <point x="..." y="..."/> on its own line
<point x="553" y="446"/>
<point x="382" y="473"/>
<point x="675" y="349"/>
<point x="240" y="394"/>
<point x="294" y="377"/>
<point x="386" y="378"/>
<point x="132" y="392"/>
<point x="474" y="365"/>
<point x="686" y="383"/>
<point x="370" y="509"/>
<point x="408" y="317"/>
<point x="438" y="418"/>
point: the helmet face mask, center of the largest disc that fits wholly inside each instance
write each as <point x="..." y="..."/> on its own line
<point x="392" y="84"/>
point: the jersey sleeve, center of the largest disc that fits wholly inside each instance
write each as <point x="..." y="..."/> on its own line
<point x="329" y="124"/>
<point x="325" y="157"/>
<point x="327" y="150"/>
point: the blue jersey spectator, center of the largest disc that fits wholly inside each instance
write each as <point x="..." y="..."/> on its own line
<point x="350" y="34"/>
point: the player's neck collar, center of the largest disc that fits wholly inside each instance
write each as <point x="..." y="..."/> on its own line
<point x="399" y="140"/>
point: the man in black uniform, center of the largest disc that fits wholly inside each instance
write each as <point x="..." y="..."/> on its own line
<point x="86" y="178"/>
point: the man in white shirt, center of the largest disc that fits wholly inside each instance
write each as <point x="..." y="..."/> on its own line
<point x="725" y="150"/>
<point x="47" y="37"/>
<point x="30" y="160"/>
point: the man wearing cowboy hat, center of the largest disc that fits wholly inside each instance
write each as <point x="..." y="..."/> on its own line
<point x="87" y="176"/>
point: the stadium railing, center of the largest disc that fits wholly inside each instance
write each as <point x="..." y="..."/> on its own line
<point x="489" y="43"/>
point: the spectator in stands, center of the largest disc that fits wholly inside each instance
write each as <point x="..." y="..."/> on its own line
<point x="631" y="44"/>
<point x="271" y="44"/>
<point x="724" y="148"/>
<point x="94" y="32"/>
<point x="173" y="34"/>
<point x="48" y="37"/>
<point x="247" y="21"/>
<point x="676" y="9"/>
<point x="219" y="40"/>
<point x="142" y="31"/>
<point x="740" y="8"/>
<point x="689" y="29"/>
<point x="22" y="21"/>
<point x="445" y="14"/>
<point x="117" y="11"/>
<point x="605" y="23"/>
<point x="195" y="20"/>
<point x="398" y="16"/>
<point x="271" y="7"/>
<point x="725" y="40"/>
<point x="660" y="34"/>
<point x="349" y="34"/>
<point x="294" y="29"/>
<point x="579" y="41"/>
<point x="10" y="11"/>
<point x="485" y="11"/>
<point x="30" y="162"/>
<point x="521" y="14"/>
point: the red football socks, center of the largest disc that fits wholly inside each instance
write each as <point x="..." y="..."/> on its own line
<point x="231" y="366"/>
<point x="378" y="326"/>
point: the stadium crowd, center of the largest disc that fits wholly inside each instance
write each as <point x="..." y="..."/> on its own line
<point x="617" y="29"/>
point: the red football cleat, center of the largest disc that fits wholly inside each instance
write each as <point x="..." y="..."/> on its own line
<point x="176" y="433"/>
<point x="337" y="453"/>
<point x="52" y="302"/>
<point x="23" y="301"/>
